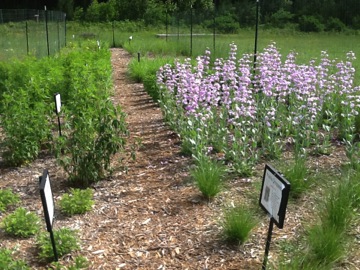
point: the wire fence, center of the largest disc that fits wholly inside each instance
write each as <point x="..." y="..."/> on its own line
<point x="31" y="32"/>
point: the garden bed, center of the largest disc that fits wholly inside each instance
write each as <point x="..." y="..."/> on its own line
<point x="149" y="215"/>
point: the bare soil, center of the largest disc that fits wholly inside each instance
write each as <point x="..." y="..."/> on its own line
<point x="149" y="215"/>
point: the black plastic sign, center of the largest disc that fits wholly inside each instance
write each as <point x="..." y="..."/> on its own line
<point x="274" y="195"/>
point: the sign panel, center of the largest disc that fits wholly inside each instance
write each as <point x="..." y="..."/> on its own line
<point x="274" y="195"/>
<point x="47" y="199"/>
<point x="57" y="103"/>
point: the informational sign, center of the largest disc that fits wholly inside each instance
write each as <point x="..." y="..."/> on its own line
<point x="57" y="99"/>
<point x="274" y="195"/>
<point x="47" y="199"/>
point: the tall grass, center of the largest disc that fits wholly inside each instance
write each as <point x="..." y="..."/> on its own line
<point x="208" y="175"/>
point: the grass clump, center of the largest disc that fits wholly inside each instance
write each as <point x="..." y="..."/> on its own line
<point x="65" y="241"/>
<point x="7" y="198"/>
<point x="208" y="176"/>
<point x="7" y="262"/>
<point x="21" y="223"/>
<point x="238" y="222"/>
<point x="297" y="174"/>
<point x="78" y="201"/>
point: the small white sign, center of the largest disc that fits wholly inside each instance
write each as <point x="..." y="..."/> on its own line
<point x="274" y="195"/>
<point x="57" y="103"/>
<point x="47" y="199"/>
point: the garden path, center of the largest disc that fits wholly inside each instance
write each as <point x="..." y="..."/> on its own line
<point x="151" y="217"/>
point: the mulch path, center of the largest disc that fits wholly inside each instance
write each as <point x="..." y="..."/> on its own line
<point x="149" y="215"/>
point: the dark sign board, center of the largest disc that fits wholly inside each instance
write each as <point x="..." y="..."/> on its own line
<point x="274" y="195"/>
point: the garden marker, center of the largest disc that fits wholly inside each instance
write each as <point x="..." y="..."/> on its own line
<point x="273" y="199"/>
<point x="47" y="200"/>
<point x="57" y="100"/>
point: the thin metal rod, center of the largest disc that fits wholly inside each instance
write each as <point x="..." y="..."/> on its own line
<point x="53" y="245"/>
<point x="268" y="241"/>
<point x="256" y="32"/>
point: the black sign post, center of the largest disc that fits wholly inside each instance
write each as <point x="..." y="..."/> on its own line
<point x="47" y="200"/>
<point x="57" y="100"/>
<point x="273" y="199"/>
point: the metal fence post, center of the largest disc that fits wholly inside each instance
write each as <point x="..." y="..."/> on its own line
<point x="47" y="32"/>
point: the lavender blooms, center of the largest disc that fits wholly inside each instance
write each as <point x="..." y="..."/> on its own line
<point x="276" y="100"/>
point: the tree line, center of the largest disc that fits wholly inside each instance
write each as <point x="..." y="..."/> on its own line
<point x="307" y="15"/>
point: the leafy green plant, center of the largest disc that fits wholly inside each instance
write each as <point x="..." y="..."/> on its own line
<point x="65" y="241"/>
<point x="7" y="198"/>
<point x="7" y="262"/>
<point x="238" y="222"/>
<point x="77" y="202"/>
<point x="21" y="223"/>
<point x="92" y="134"/>
<point x="208" y="176"/>
<point x="80" y="263"/>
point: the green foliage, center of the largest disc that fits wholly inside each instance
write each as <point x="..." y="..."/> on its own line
<point x="95" y="129"/>
<point x="226" y="24"/>
<point x="77" y="202"/>
<point x="297" y="174"/>
<point x="337" y="211"/>
<point x="7" y="198"/>
<point x="310" y="24"/>
<point x="326" y="245"/>
<point x="21" y="223"/>
<point x="335" y="24"/>
<point x="7" y="262"/>
<point x="281" y="18"/>
<point x="80" y="263"/>
<point x="25" y="106"/>
<point x="145" y="72"/>
<point x="208" y="176"/>
<point x="238" y="223"/>
<point x="65" y="240"/>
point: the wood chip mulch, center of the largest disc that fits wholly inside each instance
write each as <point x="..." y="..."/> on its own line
<point x="148" y="215"/>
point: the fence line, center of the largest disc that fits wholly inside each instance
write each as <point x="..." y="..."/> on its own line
<point x="33" y="32"/>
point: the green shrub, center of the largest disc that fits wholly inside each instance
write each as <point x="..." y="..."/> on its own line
<point x="238" y="223"/>
<point x="65" y="240"/>
<point x="281" y="18"/>
<point x="8" y="263"/>
<point x="77" y="202"/>
<point x="7" y="198"/>
<point x="335" y="24"/>
<point x="208" y="176"/>
<point x="95" y="129"/>
<point x="21" y="223"/>
<point x="226" y="24"/>
<point x="310" y="24"/>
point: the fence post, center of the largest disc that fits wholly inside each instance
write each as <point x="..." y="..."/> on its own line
<point x="58" y="32"/>
<point x="47" y="32"/>
<point x="113" y="32"/>
<point x="65" y="27"/>
<point x="191" y="29"/>
<point x="27" y="37"/>
<point x="214" y="33"/>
